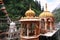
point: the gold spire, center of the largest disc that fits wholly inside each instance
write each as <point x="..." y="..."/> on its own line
<point x="30" y="13"/>
<point x="46" y="13"/>
<point x="30" y="7"/>
<point x="46" y="6"/>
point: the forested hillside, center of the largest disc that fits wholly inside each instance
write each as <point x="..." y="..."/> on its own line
<point x="17" y="8"/>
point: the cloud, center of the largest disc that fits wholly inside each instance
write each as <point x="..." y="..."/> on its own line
<point x="52" y="4"/>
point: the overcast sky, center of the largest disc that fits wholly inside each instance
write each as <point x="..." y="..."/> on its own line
<point x="52" y="4"/>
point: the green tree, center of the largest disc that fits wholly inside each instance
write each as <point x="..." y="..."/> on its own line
<point x="57" y="14"/>
<point x="17" y="8"/>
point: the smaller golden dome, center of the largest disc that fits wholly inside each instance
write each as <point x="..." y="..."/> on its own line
<point x="46" y="14"/>
<point x="30" y="13"/>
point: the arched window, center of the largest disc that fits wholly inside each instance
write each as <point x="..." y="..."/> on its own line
<point x="42" y="23"/>
<point x="31" y="29"/>
<point x="48" y="23"/>
<point x="24" y="29"/>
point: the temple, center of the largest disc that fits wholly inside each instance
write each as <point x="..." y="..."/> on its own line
<point x="32" y="26"/>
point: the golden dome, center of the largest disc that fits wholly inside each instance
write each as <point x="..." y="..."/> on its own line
<point x="30" y="13"/>
<point x="46" y="13"/>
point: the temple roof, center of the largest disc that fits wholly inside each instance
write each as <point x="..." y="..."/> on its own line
<point x="46" y="13"/>
<point x="30" y="13"/>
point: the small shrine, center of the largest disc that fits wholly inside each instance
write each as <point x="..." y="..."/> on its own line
<point x="30" y="29"/>
<point x="47" y="21"/>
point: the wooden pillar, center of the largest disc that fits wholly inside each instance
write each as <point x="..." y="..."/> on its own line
<point x="45" y="24"/>
<point x="21" y="30"/>
<point x="36" y="30"/>
<point x="27" y="29"/>
<point x="40" y="24"/>
<point x="51" y="26"/>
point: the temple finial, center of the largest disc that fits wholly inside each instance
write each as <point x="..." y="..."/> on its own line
<point x="46" y="6"/>
<point x="30" y="7"/>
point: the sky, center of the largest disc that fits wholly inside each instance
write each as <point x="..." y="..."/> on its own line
<point x="51" y="4"/>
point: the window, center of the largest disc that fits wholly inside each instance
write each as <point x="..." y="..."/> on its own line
<point x="42" y="23"/>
